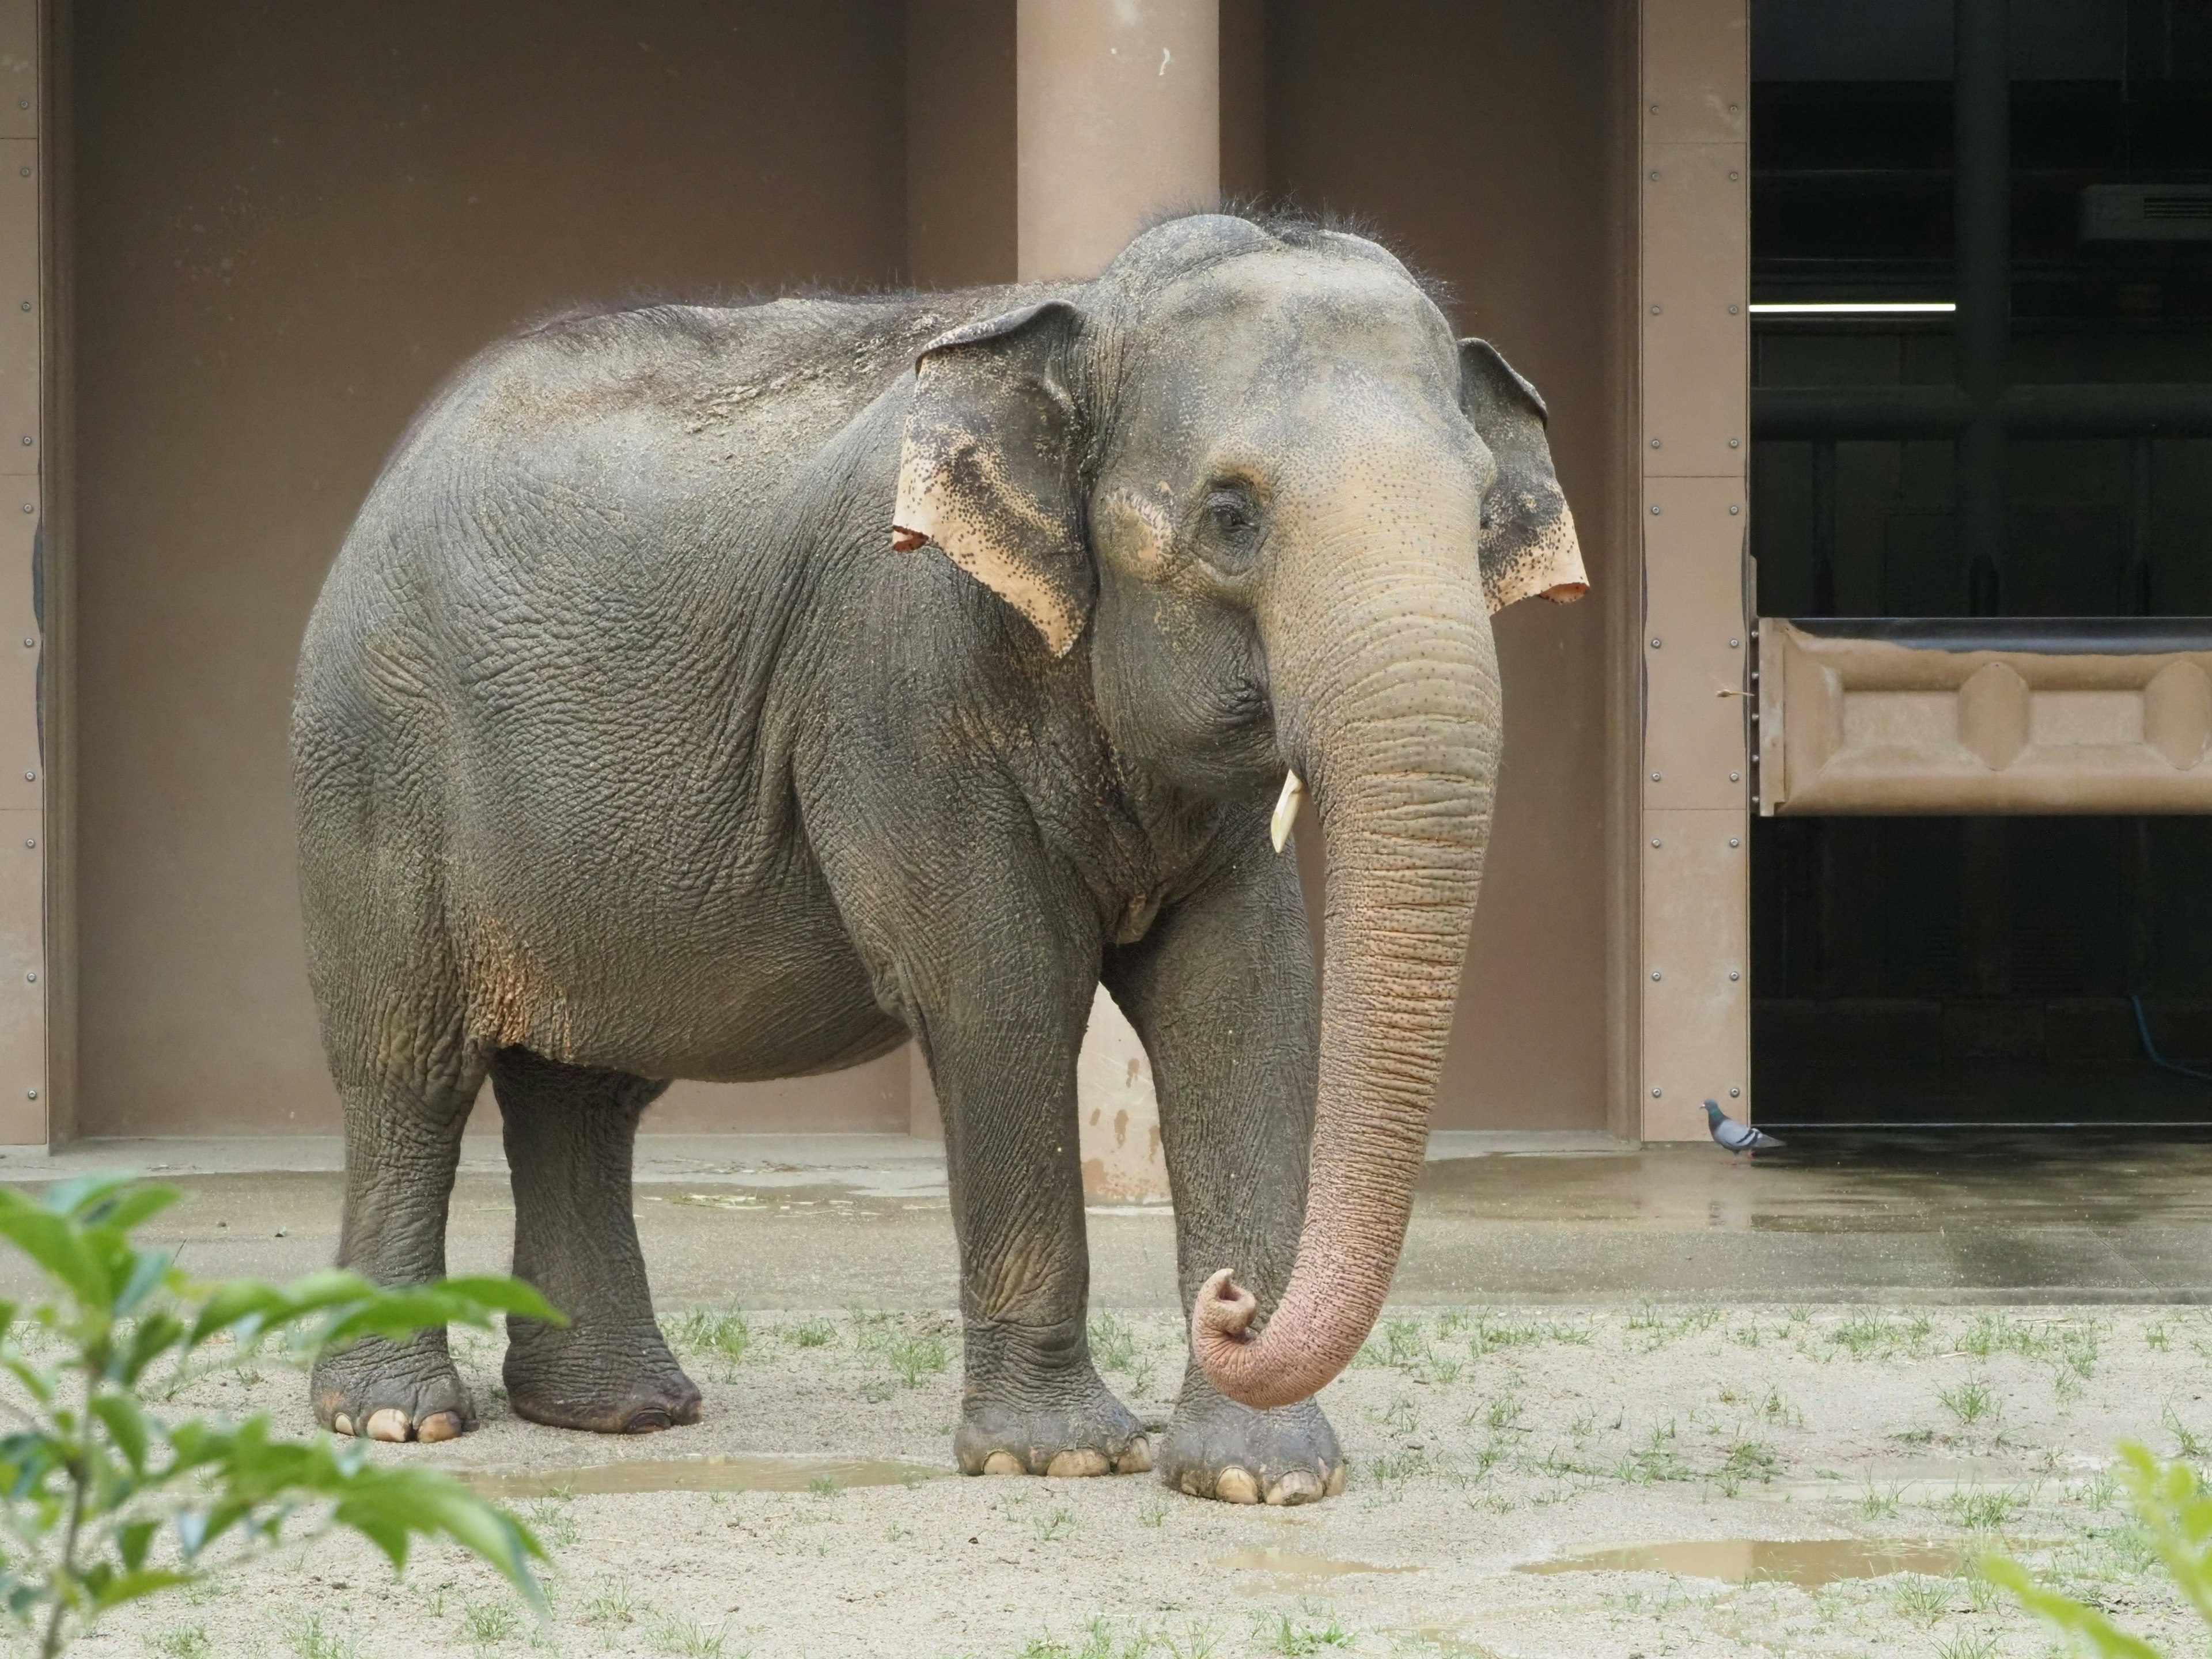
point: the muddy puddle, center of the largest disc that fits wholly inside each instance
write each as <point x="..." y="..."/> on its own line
<point x="1296" y="1563"/>
<point x="701" y="1474"/>
<point x="1807" y="1563"/>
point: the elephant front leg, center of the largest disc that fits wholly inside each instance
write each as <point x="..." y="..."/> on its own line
<point x="1032" y="1402"/>
<point x="1222" y="991"/>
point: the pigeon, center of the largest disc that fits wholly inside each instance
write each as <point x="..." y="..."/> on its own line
<point x="1736" y="1137"/>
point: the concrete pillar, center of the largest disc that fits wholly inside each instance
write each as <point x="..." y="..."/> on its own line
<point x="1118" y="117"/>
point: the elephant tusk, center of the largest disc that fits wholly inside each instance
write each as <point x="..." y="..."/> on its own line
<point x="1286" y="810"/>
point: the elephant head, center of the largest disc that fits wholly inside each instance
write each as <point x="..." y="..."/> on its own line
<point x="1252" y="466"/>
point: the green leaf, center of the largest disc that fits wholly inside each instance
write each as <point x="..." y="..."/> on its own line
<point x="130" y="1586"/>
<point x="36" y="1383"/>
<point x="127" y="1424"/>
<point x="132" y="1208"/>
<point x="148" y="1269"/>
<point x="503" y="1295"/>
<point x="57" y="1245"/>
<point x="131" y="1542"/>
<point x="396" y="1314"/>
<point x="156" y="1334"/>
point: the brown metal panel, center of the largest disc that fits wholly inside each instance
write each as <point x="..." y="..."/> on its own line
<point x="19" y="69"/>
<point x="22" y="781"/>
<point x="1696" y="333"/>
<point x="1693" y="644"/>
<point x="19" y="308"/>
<point x="1697" y="71"/>
<point x="1697" y="991"/>
<point x="1873" y="726"/>
<point x="23" y="991"/>
<point x="1694" y="655"/>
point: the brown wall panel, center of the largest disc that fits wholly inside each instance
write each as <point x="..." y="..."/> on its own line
<point x="1481" y="141"/>
<point x="959" y="142"/>
<point x="19" y="314"/>
<point x="22" y="980"/>
<point x="292" y="223"/>
<point x="1696" y="650"/>
<point x="20" y="784"/>
<point x="20" y="79"/>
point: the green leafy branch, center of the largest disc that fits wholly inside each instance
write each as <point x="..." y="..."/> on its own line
<point x="2175" y="1513"/>
<point x="103" y="1500"/>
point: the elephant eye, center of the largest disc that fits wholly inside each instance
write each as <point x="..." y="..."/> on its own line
<point x="1230" y="512"/>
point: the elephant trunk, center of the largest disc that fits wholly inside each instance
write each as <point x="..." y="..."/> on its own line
<point x="1385" y="684"/>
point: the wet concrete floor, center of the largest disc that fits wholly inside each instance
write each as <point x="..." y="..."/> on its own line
<point x="855" y="1221"/>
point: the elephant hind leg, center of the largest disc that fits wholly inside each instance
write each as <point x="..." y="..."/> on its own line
<point x="570" y="1132"/>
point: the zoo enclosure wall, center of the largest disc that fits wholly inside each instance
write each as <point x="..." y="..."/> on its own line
<point x="271" y="232"/>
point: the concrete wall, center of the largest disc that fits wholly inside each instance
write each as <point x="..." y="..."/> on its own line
<point x="293" y="221"/>
<point x="1485" y="142"/>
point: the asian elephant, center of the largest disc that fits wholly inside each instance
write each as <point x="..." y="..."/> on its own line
<point x="735" y="693"/>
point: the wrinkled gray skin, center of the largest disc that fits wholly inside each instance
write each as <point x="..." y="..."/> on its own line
<point x="628" y="749"/>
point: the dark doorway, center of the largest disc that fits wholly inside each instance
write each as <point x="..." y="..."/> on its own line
<point x="2043" y="450"/>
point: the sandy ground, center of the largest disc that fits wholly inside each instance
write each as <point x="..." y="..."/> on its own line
<point x="1483" y="1441"/>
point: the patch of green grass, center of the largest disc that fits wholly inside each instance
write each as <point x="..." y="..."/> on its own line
<point x="1050" y="1528"/>
<point x="1919" y="1597"/>
<point x="912" y="1355"/>
<point x="486" y="1624"/>
<point x="2186" y="1441"/>
<point x="1152" y="1513"/>
<point x="822" y="1486"/>
<point x="1983" y="1508"/>
<point x="310" y="1640"/>
<point x="1657" y="1458"/>
<point x="1747" y="1461"/>
<point x="548" y="1517"/>
<point x="1310" y="1630"/>
<point x="1865" y="1332"/>
<point x="675" y="1633"/>
<point x="184" y="1642"/>
<point x="2155" y="1337"/>
<point x="609" y="1605"/>
<point x="724" y="1334"/>
<point x="1970" y="1402"/>
<point x="1966" y="1644"/>
<point x="810" y="1333"/>
<point x="1114" y="1346"/>
<point x="1877" y="1503"/>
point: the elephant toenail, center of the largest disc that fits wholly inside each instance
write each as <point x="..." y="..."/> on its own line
<point x="341" y="1424"/>
<point x="1335" y="1487"/>
<point x="1004" y="1463"/>
<point x="651" y="1420"/>
<point x="1077" y="1462"/>
<point x="1235" y="1485"/>
<point x="1136" y="1457"/>
<point x="438" y="1426"/>
<point x="1298" y="1487"/>
<point x="387" y="1424"/>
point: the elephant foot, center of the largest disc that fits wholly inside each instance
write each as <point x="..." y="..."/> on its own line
<point x="1089" y="1433"/>
<point x="393" y="1391"/>
<point x="1215" y="1448"/>
<point x="631" y="1388"/>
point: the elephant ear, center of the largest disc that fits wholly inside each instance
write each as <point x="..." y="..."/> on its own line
<point x="987" y="468"/>
<point x="1528" y="544"/>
